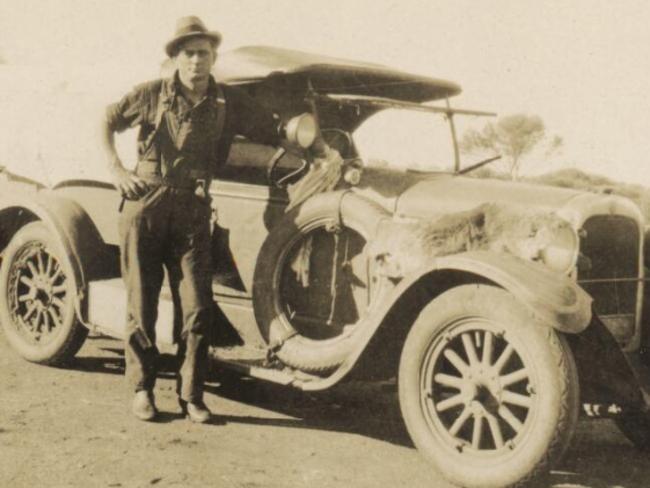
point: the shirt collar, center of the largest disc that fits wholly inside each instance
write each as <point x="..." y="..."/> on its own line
<point x="172" y="87"/>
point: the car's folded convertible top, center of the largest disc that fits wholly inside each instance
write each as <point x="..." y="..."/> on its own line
<point x="260" y="64"/>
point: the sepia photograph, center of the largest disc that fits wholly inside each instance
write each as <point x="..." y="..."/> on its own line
<point x="319" y="243"/>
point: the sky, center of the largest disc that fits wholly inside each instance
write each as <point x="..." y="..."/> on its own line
<point x="583" y="66"/>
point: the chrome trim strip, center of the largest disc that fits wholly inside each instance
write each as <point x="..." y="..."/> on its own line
<point x="611" y="280"/>
<point x="244" y="191"/>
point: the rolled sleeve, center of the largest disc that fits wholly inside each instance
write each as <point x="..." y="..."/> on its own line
<point x="129" y="112"/>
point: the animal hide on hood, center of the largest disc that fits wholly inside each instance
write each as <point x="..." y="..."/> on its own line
<point x="401" y="247"/>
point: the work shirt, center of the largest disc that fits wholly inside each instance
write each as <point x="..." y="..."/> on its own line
<point x="187" y="140"/>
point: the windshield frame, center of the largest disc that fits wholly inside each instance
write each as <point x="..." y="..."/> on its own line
<point x="382" y="103"/>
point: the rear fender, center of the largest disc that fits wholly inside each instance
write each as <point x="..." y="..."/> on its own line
<point x="553" y="300"/>
<point x="71" y="226"/>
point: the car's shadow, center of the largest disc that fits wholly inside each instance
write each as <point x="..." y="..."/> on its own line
<point x="107" y="365"/>
<point x="599" y="457"/>
<point x="111" y="359"/>
<point x="367" y="409"/>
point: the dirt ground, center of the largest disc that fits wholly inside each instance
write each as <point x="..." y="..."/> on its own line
<point x="72" y="428"/>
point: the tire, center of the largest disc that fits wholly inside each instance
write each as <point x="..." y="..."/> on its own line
<point x="37" y="298"/>
<point x="324" y="349"/>
<point x="635" y="425"/>
<point x="474" y="429"/>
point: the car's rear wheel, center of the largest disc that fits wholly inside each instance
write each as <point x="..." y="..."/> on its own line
<point x="37" y="298"/>
<point x="311" y="285"/>
<point x="488" y="396"/>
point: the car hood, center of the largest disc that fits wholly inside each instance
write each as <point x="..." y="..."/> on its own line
<point x="449" y="193"/>
<point x="412" y="195"/>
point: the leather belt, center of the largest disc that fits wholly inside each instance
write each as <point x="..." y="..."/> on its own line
<point x="188" y="180"/>
<point x="193" y="180"/>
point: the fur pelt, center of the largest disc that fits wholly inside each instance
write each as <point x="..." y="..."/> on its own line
<point x="403" y="247"/>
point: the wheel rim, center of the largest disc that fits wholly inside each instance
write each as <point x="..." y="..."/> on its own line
<point x="37" y="293"/>
<point x="478" y="389"/>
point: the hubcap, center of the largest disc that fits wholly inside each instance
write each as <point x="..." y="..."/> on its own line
<point x="37" y="293"/>
<point x="478" y="392"/>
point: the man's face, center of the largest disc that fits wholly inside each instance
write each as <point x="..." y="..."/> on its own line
<point x="195" y="59"/>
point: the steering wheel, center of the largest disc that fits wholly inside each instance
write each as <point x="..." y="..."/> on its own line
<point x="340" y="140"/>
<point x="335" y="138"/>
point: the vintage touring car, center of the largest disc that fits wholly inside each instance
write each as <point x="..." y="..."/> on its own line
<point x="500" y="307"/>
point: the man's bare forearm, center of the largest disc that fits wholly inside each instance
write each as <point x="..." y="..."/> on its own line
<point x="107" y="137"/>
<point x="128" y="184"/>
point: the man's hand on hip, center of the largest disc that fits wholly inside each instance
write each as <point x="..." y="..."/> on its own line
<point x="128" y="184"/>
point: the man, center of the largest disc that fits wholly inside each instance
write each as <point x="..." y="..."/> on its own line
<point x="186" y="127"/>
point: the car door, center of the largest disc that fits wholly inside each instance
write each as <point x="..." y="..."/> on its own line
<point x="243" y="219"/>
<point x="247" y="206"/>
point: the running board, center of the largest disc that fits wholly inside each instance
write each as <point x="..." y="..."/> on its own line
<point x="266" y="374"/>
<point x="253" y="362"/>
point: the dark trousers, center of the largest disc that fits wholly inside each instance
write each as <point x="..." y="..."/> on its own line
<point x="168" y="227"/>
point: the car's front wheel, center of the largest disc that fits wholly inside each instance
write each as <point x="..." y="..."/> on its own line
<point x="488" y="396"/>
<point x="37" y="298"/>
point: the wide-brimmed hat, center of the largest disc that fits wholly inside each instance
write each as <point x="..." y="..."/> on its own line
<point x="187" y="28"/>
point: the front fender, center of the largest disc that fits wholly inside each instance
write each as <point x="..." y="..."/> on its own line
<point x="554" y="300"/>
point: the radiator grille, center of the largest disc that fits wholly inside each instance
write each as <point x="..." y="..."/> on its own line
<point x="611" y="246"/>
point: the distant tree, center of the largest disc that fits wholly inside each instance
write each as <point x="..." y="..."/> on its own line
<point x="512" y="136"/>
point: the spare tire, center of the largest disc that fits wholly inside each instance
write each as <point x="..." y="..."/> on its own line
<point x="311" y="284"/>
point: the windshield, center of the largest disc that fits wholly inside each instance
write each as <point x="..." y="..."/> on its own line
<point x="404" y="139"/>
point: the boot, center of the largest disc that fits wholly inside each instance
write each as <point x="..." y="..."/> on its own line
<point x="196" y="412"/>
<point x="143" y="405"/>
